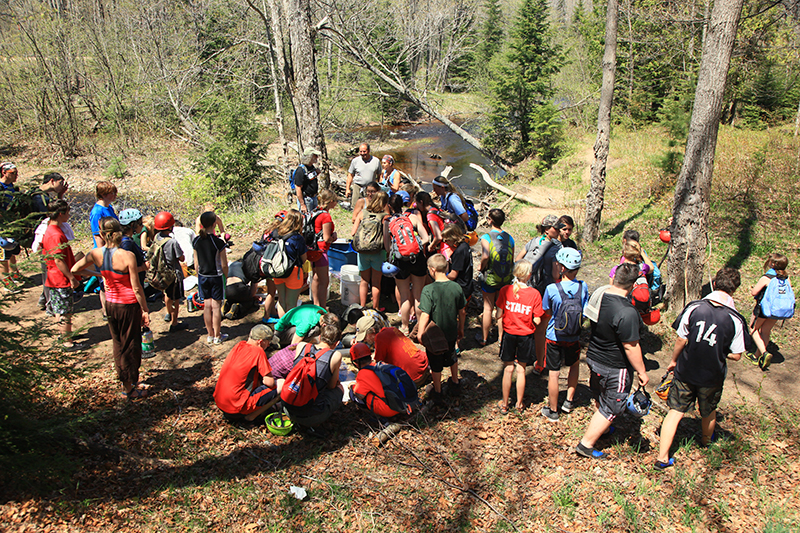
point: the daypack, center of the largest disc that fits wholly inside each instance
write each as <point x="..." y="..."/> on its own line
<point x="291" y="175"/>
<point x="310" y="235"/>
<point x="778" y="301"/>
<point x="640" y="295"/>
<point x="399" y="391"/>
<point x="275" y="261"/>
<point x="251" y="262"/>
<point x="300" y="387"/>
<point x="405" y="242"/>
<point x="160" y="275"/>
<point x="501" y="260"/>
<point x="447" y="217"/>
<point x="21" y="217"/>
<point x="472" y="214"/>
<point x="369" y="235"/>
<point x="567" y="321"/>
<point x="536" y="258"/>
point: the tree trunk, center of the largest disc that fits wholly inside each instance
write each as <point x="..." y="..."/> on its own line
<point x="596" y="195"/>
<point x="689" y="228"/>
<point x="304" y="68"/>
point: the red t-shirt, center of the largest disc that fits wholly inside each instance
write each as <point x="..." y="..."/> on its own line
<point x="520" y="309"/>
<point x="366" y="382"/>
<point x="53" y="244"/>
<point x="324" y="218"/>
<point x="392" y="347"/>
<point x="232" y="393"/>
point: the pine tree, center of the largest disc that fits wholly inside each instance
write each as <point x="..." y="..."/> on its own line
<point x="493" y="34"/>
<point x="524" y="121"/>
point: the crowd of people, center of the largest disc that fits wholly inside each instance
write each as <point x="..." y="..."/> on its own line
<point x="532" y="302"/>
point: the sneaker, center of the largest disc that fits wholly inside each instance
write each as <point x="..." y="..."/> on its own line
<point x="550" y="415"/>
<point x="437" y="398"/>
<point x="209" y="339"/>
<point x="567" y="406"/>
<point x="663" y="466"/>
<point x="480" y="340"/>
<point x="222" y="338"/>
<point x="591" y="453"/>
<point x="168" y="318"/>
<point x="765" y="360"/>
<point x="751" y="357"/>
<point x="537" y="370"/>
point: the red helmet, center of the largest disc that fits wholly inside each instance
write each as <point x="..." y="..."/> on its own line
<point x="652" y="317"/>
<point x="664" y="235"/>
<point x="164" y="220"/>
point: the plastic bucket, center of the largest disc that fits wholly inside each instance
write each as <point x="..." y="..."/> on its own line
<point x="349" y="290"/>
<point x="350" y="272"/>
<point x="341" y="253"/>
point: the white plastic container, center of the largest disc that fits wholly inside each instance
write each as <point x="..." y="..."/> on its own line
<point x="350" y="279"/>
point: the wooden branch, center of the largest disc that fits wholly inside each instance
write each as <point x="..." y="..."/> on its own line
<point x="489" y="181"/>
<point x="391" y="431"/>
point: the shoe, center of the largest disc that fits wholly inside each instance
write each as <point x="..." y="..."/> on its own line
<point x="316" y="433"/>
<point x="502" y="408"/>
<point x="176" y="327"/>
<point x="663" y="466"/>
<point x="567" y="406"/>
<point x="591" y="453"/>
<point x="76" y="347"/>
<point x="168" y="318"/>
<point x="550" y="415"/>
<point x="751" y="357"/>
<point x="537" y="370"/>
<point x="453" y="389"/>
<point x="222" y="338"/>
<point x="610" y="431"/>
<point x="480" y="340"/>
<point x="269" y="321"/>
<point x="135" y="394"/>
<point x="209" y="339"/>
<point x="437" y="398"/>
<point x="765" y="360"/>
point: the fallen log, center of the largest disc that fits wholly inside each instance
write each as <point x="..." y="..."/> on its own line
<point x="505" y="190"/>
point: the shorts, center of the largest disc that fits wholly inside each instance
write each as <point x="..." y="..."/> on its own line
<point x="414" y="266"/>
<point x="285" y="337"/>
<point x="295" y="280"/>
<point x="328" y="402"/>
<point x="560" y="354"/>
<point x="175" y="291"/>
<point x="612" y="386"/>
<point x="211" y="287"/>
<point x="322" y="261"/>
<point x="7" y="255"/>
<point x="437" y="362"/>
<point x="519" y="348"/>
<point x="264" y="394"/>
<point x="61" y="300"/>
<point x="371" y="260"/>
<point x="683" y="395"/>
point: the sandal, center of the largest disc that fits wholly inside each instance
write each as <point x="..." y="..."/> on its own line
<point x="503" y="409"/>
<point x="135" y="394"/>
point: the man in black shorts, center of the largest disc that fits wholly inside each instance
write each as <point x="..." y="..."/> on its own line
<point x="613" y="354"/>
<point x="709" y="331"/>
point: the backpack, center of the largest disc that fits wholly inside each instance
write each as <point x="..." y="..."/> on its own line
<point x="251" y="262"/>
<point x="369" y="235"/>
<point x="309" y="233"/>
<point x="778" y="301"/>
<point x="447" y="217"/>
<point x="21" y="216"/>
<point x="275" y="261"/>
<point x="501" y="260"/>
<point x="567" y="321"/>
<point x="405" y="242"/>
<point x="640" y="295"/>
<point x="300" y="387"/>
<point x="399" y="391"/>
<point x="160" y="275"/>
<point x="536" y="258"/>
<point x="472" y="214"/>
<point x="291" y="176"/>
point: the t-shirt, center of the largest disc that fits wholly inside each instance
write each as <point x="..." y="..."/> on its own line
<point x="452" y="203"/>
<point x="303" y="317"/>
<point x="38" y="234"/>
<point x="617" y="323"/>
<point x="392" y="347"/>
<point x="185" y="236"/>
<point x="99" y="211"/>
<point x="130" y="245"/>
<point x="209" y="262"/>
<point x="547" y="263"/>
<point x="321" y="220"/>
<point x="364" y="171"/>
<point x="172" y="254"/>
<point x="461" y="262"/>
<point x="368" y="382"/>
<point x="282" y="361"/>
<point x="242" y="372"/>
<point x="519" y="309"/>
<point x="442" y="300"/>
<point x="305" y="177"/>
<point x="712" y="332"/>
<point x="6" y="198"/>
<point x="54" y="243"/>
<point x="552" y="302"/>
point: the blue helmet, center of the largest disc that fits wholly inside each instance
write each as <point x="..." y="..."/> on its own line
<point x="570" y="258"/>
<point x="128" y="216"/>
<point x="639" y="403"/>
<point x="389" y="269"/>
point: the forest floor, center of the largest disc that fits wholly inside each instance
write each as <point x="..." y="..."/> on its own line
<point x="170" y="462"/>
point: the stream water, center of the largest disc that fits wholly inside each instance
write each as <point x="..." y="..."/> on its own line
<point x="424" y="150"/>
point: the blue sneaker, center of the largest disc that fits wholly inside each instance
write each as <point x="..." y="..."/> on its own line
<point x="591" y="453"/>
<point x="269" y="321"/>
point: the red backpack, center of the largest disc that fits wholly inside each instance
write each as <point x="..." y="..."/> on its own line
<point x="405" y="242"/>
<point x="300" y="387"/>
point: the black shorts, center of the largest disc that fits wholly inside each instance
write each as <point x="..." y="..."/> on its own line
<point x="519" y="348"/>
<point x="175" y="291"/>
<point x="438" y="361"/>
<point x="211" y="287"/>
<point x="414" y="266"/>
<point x="561" y="354"/>
<point x="683" y="395"/>
<point x="612" y="386"/>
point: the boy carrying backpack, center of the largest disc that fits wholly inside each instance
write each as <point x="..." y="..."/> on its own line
<point x="384" y="389"/>
<point x="565" y="300"/>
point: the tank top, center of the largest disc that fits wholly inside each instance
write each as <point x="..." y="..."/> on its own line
<point x="118" y="284"/>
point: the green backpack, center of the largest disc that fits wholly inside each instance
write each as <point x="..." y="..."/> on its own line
<point x="501" y="260"/>
<point x="160" y="275"/>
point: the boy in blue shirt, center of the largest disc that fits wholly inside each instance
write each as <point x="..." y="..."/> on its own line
<point x="562" y="349"/>
<point x="105" y="192"/>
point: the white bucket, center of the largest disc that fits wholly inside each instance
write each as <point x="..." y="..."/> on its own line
<point x="350" y="272"/>
<point x="350" y="280"/>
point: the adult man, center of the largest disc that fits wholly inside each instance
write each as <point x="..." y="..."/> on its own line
<point x="613" y="353"/>
<point x="363" y="169"/>
<point x="8" y="258"/>
<point x="306" y="184"/>
<point x="394" y="348"/>
<point x="246" y="389"/>
<point x="709" y="331"/>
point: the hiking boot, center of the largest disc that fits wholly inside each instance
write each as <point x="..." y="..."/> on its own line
<point x="549" y="414"/>
<point x="765" y="360"/>
<point x="751" y="357"/>
<point x="453" y="389"/>
<point x="437" y="398"/>
<point x="591" y="453"/>
<point x="567" y="406"/>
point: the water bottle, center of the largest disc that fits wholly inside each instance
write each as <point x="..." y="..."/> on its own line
<point x="148" y="346"/>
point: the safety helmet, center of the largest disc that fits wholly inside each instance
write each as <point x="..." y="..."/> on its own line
<point x="666" y="382"/>
<point x="664" y="235"/>
<point x="350" y="315"/>
<point x="8" y="244"/>
<point x="569" y="257"/>
<point x="639" y="403"/>
<point x="651" y="317"/>
<point x="471" y="238"/>
<point x="129" y="215"/>
<point x="278" y="424"/>
<point x="389" y="269"/>
<point x="640" y="297"/>
<point x="164" y="221"/>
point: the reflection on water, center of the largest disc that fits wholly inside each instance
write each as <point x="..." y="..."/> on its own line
<point x="428" y="148"/>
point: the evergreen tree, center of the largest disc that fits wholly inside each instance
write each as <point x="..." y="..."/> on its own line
<point x="493" y="34"/>
<point x="524" y="121"/>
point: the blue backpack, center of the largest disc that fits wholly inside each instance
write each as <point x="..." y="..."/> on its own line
<point x="778" y="301"/>
<point x="291" y="175"/>
<point x="399" y="391"/>
<point x="567" y="321"/>
<point x="472" y="214"/>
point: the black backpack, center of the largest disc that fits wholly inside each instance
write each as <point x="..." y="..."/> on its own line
<point x="399" y="391"/>
<point x="567" y="321"/>
<point x="21" y="216"/>
<point x="309" y="234"/>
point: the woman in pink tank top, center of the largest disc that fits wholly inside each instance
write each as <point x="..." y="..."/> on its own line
<point x="126" y="305"/>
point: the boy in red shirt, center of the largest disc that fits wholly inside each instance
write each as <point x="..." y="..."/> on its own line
<point x="519" y="309"/>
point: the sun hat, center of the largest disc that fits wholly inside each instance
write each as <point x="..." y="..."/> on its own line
<point x="364" y="323"/>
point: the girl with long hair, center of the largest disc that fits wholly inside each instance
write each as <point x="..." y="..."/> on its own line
<point x="370" y="263"/>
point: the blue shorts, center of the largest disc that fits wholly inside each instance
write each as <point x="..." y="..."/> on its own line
<point x="373" y="260"/>
<point x="211" y="287"/>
